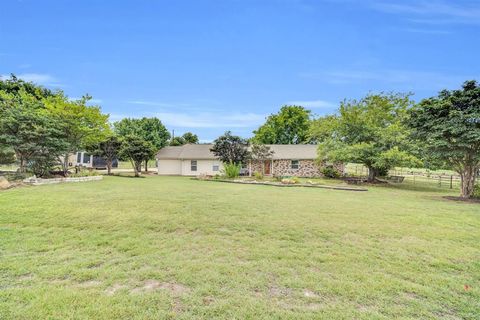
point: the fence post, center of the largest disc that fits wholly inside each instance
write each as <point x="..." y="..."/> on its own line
<point x="451" y="181"/>
<point x="440" y="181"/>
<point x="414" y="178"/>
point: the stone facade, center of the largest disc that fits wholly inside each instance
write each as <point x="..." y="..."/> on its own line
<point x="283" y="168"/>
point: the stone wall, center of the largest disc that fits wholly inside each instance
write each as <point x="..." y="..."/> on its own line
<point x="306" y="168"/>
<point x="38" y="181"/>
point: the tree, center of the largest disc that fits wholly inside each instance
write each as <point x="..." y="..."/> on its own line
<point x="289" y="126"/>
<point x="14" y="85"/>
<point x="190" y="138"/>
<point x="30" y="131"/>
<point x="177" y="141"/>
<point x="448" y="126"/>
<point x="82" y="125"/>
<point x="187" y="137"/>
<point x="149" y="129"/>
<point x="368" y="131"/>
<point x="7" y="155"/>
<point x="136" y="150"/>
<point x="108" y="150"/>
<point x="230" y="149"/>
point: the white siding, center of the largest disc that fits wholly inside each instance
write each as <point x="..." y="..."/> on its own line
<point x="169" y="167"/>
<point x="203" y="167"/>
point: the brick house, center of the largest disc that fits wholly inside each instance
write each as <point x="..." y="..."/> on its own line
<point x="197" y="159"/>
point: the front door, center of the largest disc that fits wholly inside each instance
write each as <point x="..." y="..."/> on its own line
<point x="267" y="167"/>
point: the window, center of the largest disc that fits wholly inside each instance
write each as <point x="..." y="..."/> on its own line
<point x="294" y="164"/>
<point x="86" y="158"/>
<point x="215" y="167"/>
<point x="193" y="165"/>
<point x="79" y="157"/>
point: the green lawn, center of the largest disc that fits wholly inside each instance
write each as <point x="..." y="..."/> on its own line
<point x="171" y="247"/>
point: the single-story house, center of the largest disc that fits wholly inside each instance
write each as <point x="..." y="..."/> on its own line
<point x="197" y="159"/>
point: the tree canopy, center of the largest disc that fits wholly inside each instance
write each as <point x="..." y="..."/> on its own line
<point x="289" y="126"/>
<point x="150" y="130"/>
<point x="136" y="150"/>
<point x="230" y="149"/>
<point x="448" y="128"/>
<point x="370" y="131"/>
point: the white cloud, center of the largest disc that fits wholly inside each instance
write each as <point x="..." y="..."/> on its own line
<point x="38" y="78"/>
<point x="403" y="79"/>
<point x="435" y="11"/>
<point x="313" y="104"/>
<point x="149" y="103"/>
<point x="211" y="120"/>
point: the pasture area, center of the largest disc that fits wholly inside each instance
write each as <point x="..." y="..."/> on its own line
<point x="176" y="248"/>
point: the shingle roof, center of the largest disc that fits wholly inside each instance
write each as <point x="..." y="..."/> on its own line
<point x="202" y="152"/>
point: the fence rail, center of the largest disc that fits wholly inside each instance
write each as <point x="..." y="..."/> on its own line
<point x="440" y="179"/>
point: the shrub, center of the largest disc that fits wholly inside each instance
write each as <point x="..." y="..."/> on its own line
<point x="258" y="176"/>
<point x="292" y="180"/>
<point x="476" y="191"/>
<point x="83" y="173"/>
<point x="232" y="170"/>
<point x="330" y="172"/>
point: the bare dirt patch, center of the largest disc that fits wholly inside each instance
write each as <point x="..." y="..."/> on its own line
<point x="89" y="284"/>
<point x="113" y="289"/>
<point x="276" y="291"/>
<point x="310" y="294"/>
<point x="173" y="288"/>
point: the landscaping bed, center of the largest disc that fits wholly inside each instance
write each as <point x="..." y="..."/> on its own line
<point x="283" y="184"/>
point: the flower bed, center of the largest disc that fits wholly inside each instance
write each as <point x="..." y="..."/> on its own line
<point x="282" y="184"/>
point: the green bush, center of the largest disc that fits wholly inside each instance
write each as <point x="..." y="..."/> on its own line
<point x="476" y="190"/>
<point x="258" y="176"/>
<point x="330" y="172"/>
<point x="232" y="170"/>
<point x="83" y="173"/>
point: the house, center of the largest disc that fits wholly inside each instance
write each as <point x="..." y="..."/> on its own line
<point x="197" y="159"/>
<point x="84" y="159"/>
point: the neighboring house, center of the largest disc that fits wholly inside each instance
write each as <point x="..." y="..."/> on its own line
<point x="197" y="159"/>
<point x="85" y="159"/>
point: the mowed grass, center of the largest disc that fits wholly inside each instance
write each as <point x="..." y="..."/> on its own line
<point x="172" y="247"/>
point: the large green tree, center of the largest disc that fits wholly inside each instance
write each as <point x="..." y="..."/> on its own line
<point x="289" y="126"/>
<point x="108" y="150"/>
<point x="187" y="137"/>
<point x="230" y="148"/>
<point x="448" y="128"/>
<point x="136" y="150"/>
<point x="82" y="125"/>
<point x="368" y="131"/>
<point x="151" y="130"/>
<point x="34" y="134"/>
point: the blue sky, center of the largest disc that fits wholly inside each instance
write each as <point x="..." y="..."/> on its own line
<point x="208" y="66"/>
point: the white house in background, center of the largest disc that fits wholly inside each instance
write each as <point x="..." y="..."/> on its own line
<point x="188" y="160"/>
<point x="197" y="159"/>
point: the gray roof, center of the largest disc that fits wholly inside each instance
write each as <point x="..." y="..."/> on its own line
<point x="202" y="152"/>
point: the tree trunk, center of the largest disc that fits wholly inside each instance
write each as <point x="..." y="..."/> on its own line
<point x="468" y="176"/>
<point x="109" y="167"/>
<point x="146" y="165"/>
<point x="22" y="165"/>
<point x="65" y="164"/>
<point x="372" y="174"/>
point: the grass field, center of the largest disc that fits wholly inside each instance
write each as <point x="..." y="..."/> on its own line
<point x="171" y="247"/>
